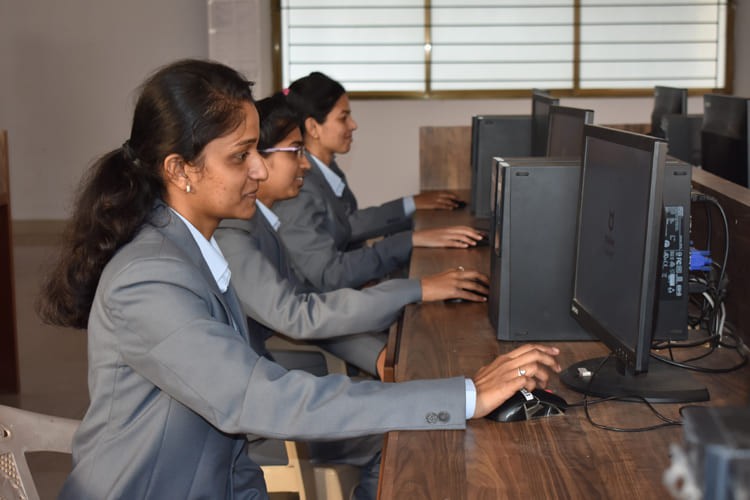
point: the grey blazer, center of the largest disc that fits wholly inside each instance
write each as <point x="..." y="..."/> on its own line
<point x="174" y="387"/>
<point x="283" y="304"/>
<point x="318" y="234"/>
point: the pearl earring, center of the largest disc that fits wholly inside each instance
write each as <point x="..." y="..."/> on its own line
<point x="188" y="188"/>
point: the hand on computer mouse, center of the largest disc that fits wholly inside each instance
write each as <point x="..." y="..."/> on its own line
<point x="529" y="367"/>
<point x="459" y="283"/>
<point x="529" y="405"/>
<point x="484" y="241"/>
<point x="446" y="237"/>
<point x="436" y="200"/>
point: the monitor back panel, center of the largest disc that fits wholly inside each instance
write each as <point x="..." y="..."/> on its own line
<point x="494" y="135"/>
<point x="672" y="309"/>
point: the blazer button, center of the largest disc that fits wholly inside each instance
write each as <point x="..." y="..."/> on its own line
<point x="431" y="417"/>
<point x="444" y="416"/>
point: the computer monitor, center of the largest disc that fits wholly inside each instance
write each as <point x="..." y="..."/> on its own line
<point x="565" y="137"/>
<point x="619" y="239"/>
<point x="667" y="101"/>
<point x="541" y="102"/>
<point x="493" y="135"/>
<point x="684" y="137"/>
<point x="724" y="137"/>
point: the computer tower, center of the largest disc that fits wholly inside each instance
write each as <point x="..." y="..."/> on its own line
<point x="533" y="250"/>
<point x="493" y="135"/>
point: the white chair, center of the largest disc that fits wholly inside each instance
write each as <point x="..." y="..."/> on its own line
<point x="310" y="481"/>
<point x="24" y="431"/>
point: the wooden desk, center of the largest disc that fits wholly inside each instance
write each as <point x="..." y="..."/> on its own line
<point x="557" y="457"/>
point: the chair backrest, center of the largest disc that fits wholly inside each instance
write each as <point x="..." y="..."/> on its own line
<point x="24" y="431"/>
<point x="445" y="158"/>
<point x="299" y="475"/>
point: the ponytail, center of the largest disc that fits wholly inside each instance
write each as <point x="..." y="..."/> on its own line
<point x="113" y="201"/>
<point x="182" y="107"/>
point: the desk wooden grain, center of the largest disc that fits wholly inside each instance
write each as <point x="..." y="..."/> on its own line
<point x="557" y="457"/>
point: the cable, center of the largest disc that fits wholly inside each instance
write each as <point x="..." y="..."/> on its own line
<point x="702" y="197"/>
<point x="666" y="421"/>
<point x="738" y="347"/>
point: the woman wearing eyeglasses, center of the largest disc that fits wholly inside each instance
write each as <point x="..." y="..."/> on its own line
<point x="285" y="303"/>
<point x="323" y="228"/>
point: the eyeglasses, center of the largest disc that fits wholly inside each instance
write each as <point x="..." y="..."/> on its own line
<point x="297" y="150"/>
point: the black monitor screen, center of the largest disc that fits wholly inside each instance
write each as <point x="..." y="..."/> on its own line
<point x="565" y="137"/>
<point x="667" y="101"/>
<point x="724" y="137"/>
<point x="540" y="106"/>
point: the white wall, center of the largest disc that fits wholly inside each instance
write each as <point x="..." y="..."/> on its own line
<point x="70" y="70"/>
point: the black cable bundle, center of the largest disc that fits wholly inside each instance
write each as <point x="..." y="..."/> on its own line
<point x="708" y="290"/>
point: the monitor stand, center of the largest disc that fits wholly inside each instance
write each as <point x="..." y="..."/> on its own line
<point x="662" y="383"/>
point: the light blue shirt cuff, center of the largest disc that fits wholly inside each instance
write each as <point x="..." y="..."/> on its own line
<point x="471" y="398"/>
<point x="409" y="206"/>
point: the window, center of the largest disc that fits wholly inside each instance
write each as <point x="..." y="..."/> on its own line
<point x="481" y="47"/>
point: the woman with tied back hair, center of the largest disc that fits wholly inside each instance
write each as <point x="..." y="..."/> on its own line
<point x="323" y="228"/>
<point x="175" y="380"/>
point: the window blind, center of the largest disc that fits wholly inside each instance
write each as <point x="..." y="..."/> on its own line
<point x="638" y="44"/>
<point x="431" y="46"/>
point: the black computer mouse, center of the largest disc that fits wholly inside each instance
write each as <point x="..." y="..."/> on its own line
<point x="525" y="405"/>
<point x="458" y="300"/>
<point x="485" y="241"/>
<point x="459" y="204"/>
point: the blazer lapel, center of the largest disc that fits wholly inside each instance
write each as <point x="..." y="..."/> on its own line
<point x="347" y="196"/>
<point x="174" y="229"/>
<point x="337" y="205"/>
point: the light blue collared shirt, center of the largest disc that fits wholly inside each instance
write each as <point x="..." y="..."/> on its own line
<point x="471" y="398"/>
<point x="338" y="185"/>
<point x="211" y="253"/>
<point x="271" y="217"/>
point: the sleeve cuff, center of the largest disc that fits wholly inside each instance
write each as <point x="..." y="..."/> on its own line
<point x="471" y="398"/>
<point x="409" y="206"/>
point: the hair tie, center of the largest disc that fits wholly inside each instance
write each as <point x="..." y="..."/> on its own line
<point x="129" y="154"/>
<point x="285" y="91"/>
